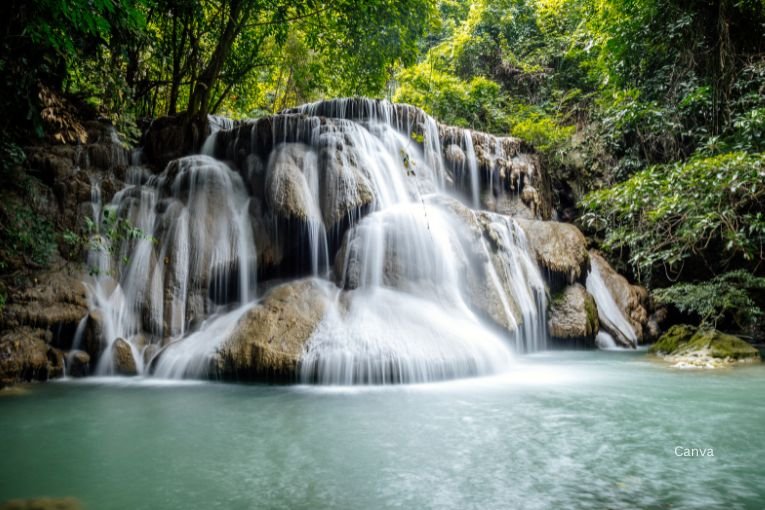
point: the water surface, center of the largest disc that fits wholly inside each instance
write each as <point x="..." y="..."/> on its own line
<point x="562" y="430"/>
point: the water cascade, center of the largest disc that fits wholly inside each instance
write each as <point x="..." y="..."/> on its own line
<point x="609" y="313"/>
<point x="376" y="201"/>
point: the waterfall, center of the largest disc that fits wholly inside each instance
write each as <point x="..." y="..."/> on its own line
<point x="185" y="249"/>
<point x="472" y="166"/>
<point x="354" y="192"/>
<point x="608" y="311"/>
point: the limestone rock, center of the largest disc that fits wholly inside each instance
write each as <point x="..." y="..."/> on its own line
<point x="57" y="300"/>
<point x="78" y="363"/>
<point x="122" y="357"/>
<point x="346" y="190"/>
<point x="454" y="155"/>
<point x="287" y="191"/>
<point x="632" y="300"/>
<point x="172" y="137"/>
<point x="270" y="339"/>
<point x="26" y="356"/>
<point x="689" y="347"/>
<point x="149" y="352"/>
<point x="560" y="250"/>
<point x="93" y="342"/>
<point x="573" y="316"/>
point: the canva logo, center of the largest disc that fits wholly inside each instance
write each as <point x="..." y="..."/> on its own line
<point x="682" y="451"/>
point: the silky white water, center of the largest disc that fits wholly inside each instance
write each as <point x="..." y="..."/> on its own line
<point x="343" y="191"/>
<point x="608" y="310"/>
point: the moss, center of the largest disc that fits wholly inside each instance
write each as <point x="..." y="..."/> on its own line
<point x="676" y="337"/>
<point x="556" y="298"/>
<point x="591" y="309"/>
<point x="720" y="345"/>
<point x="683" y="340"/>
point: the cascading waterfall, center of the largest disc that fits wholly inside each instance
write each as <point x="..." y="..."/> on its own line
<point x="523" y="277"/>
<point x="188" y="233"/>
<point x="608" y="311"/>
<point x="472" y="167"/>
<point x="358" y="182"/>
<point x="407" y="319"/>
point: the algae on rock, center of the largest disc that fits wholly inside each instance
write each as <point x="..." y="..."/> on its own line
<point x="689" y="347"/>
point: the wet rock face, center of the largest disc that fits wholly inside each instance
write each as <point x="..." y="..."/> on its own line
<point x="573" y="317"/>
<point x="632" y="300"/>
<point x="270" y="339"/>
<point x="288" y="192"/>
<point x="56" y="304"/>
<point x="560" y="250"/>
<point x="690" y="347"/>
<point x="169" y="138"/>
<point x="78" y="364"/>
<point x="122" y="358"/>
<point x="25" y="355"/>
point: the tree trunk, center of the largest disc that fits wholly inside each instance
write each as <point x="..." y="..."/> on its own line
<point x="199" y="99"/>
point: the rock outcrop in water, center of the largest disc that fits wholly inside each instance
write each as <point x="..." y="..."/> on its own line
<point x="573" y="317"/>
<point x="622" y="307"/>
<point x="412" y="252"/>
<point x="269" y="340"/>
<point x="690" y="347"/>
<point x="560" y="249"/>
<point x="26" y="355"/>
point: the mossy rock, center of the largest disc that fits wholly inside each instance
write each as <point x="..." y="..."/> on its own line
<point x="688" y="345"/>
<point x="42" y="504"/>
<point x="592" y="312"/>
<point x="719" y="345"/>
<point x="676" y="336"/>
<point x="573" y="315"/>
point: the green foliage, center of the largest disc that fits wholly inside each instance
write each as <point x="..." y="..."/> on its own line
<point x="107" y="237"/>
<point x="126" y="59"/>
<point x="54" y="42"/>
<point x="541" y="129"/>
<point x="469" y="104"/>
<point x="27" y="236"/>
<point x="730" y="296"/>
<point x="712" y="208"/>
<point x="11" y="156"/>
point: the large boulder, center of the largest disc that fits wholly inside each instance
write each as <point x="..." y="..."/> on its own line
<point x="573" y="317"/>
<point x="25" y="355"/>
<point x="318" y="184"/>
<point x="632" y="300"/>
<point x="93" y="341"/>
<point x="560" y="250"/>
<point x="78" y="363"/>
<point x="122" y="358"/>
<point x="270" y="339"/>
<point x="690" y="347"/>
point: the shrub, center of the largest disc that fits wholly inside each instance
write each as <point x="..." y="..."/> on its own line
<point x="713" y="208"/>
<point x="727" y="297"/>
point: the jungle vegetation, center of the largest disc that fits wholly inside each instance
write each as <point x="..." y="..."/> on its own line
<point x="649" y="114"/>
